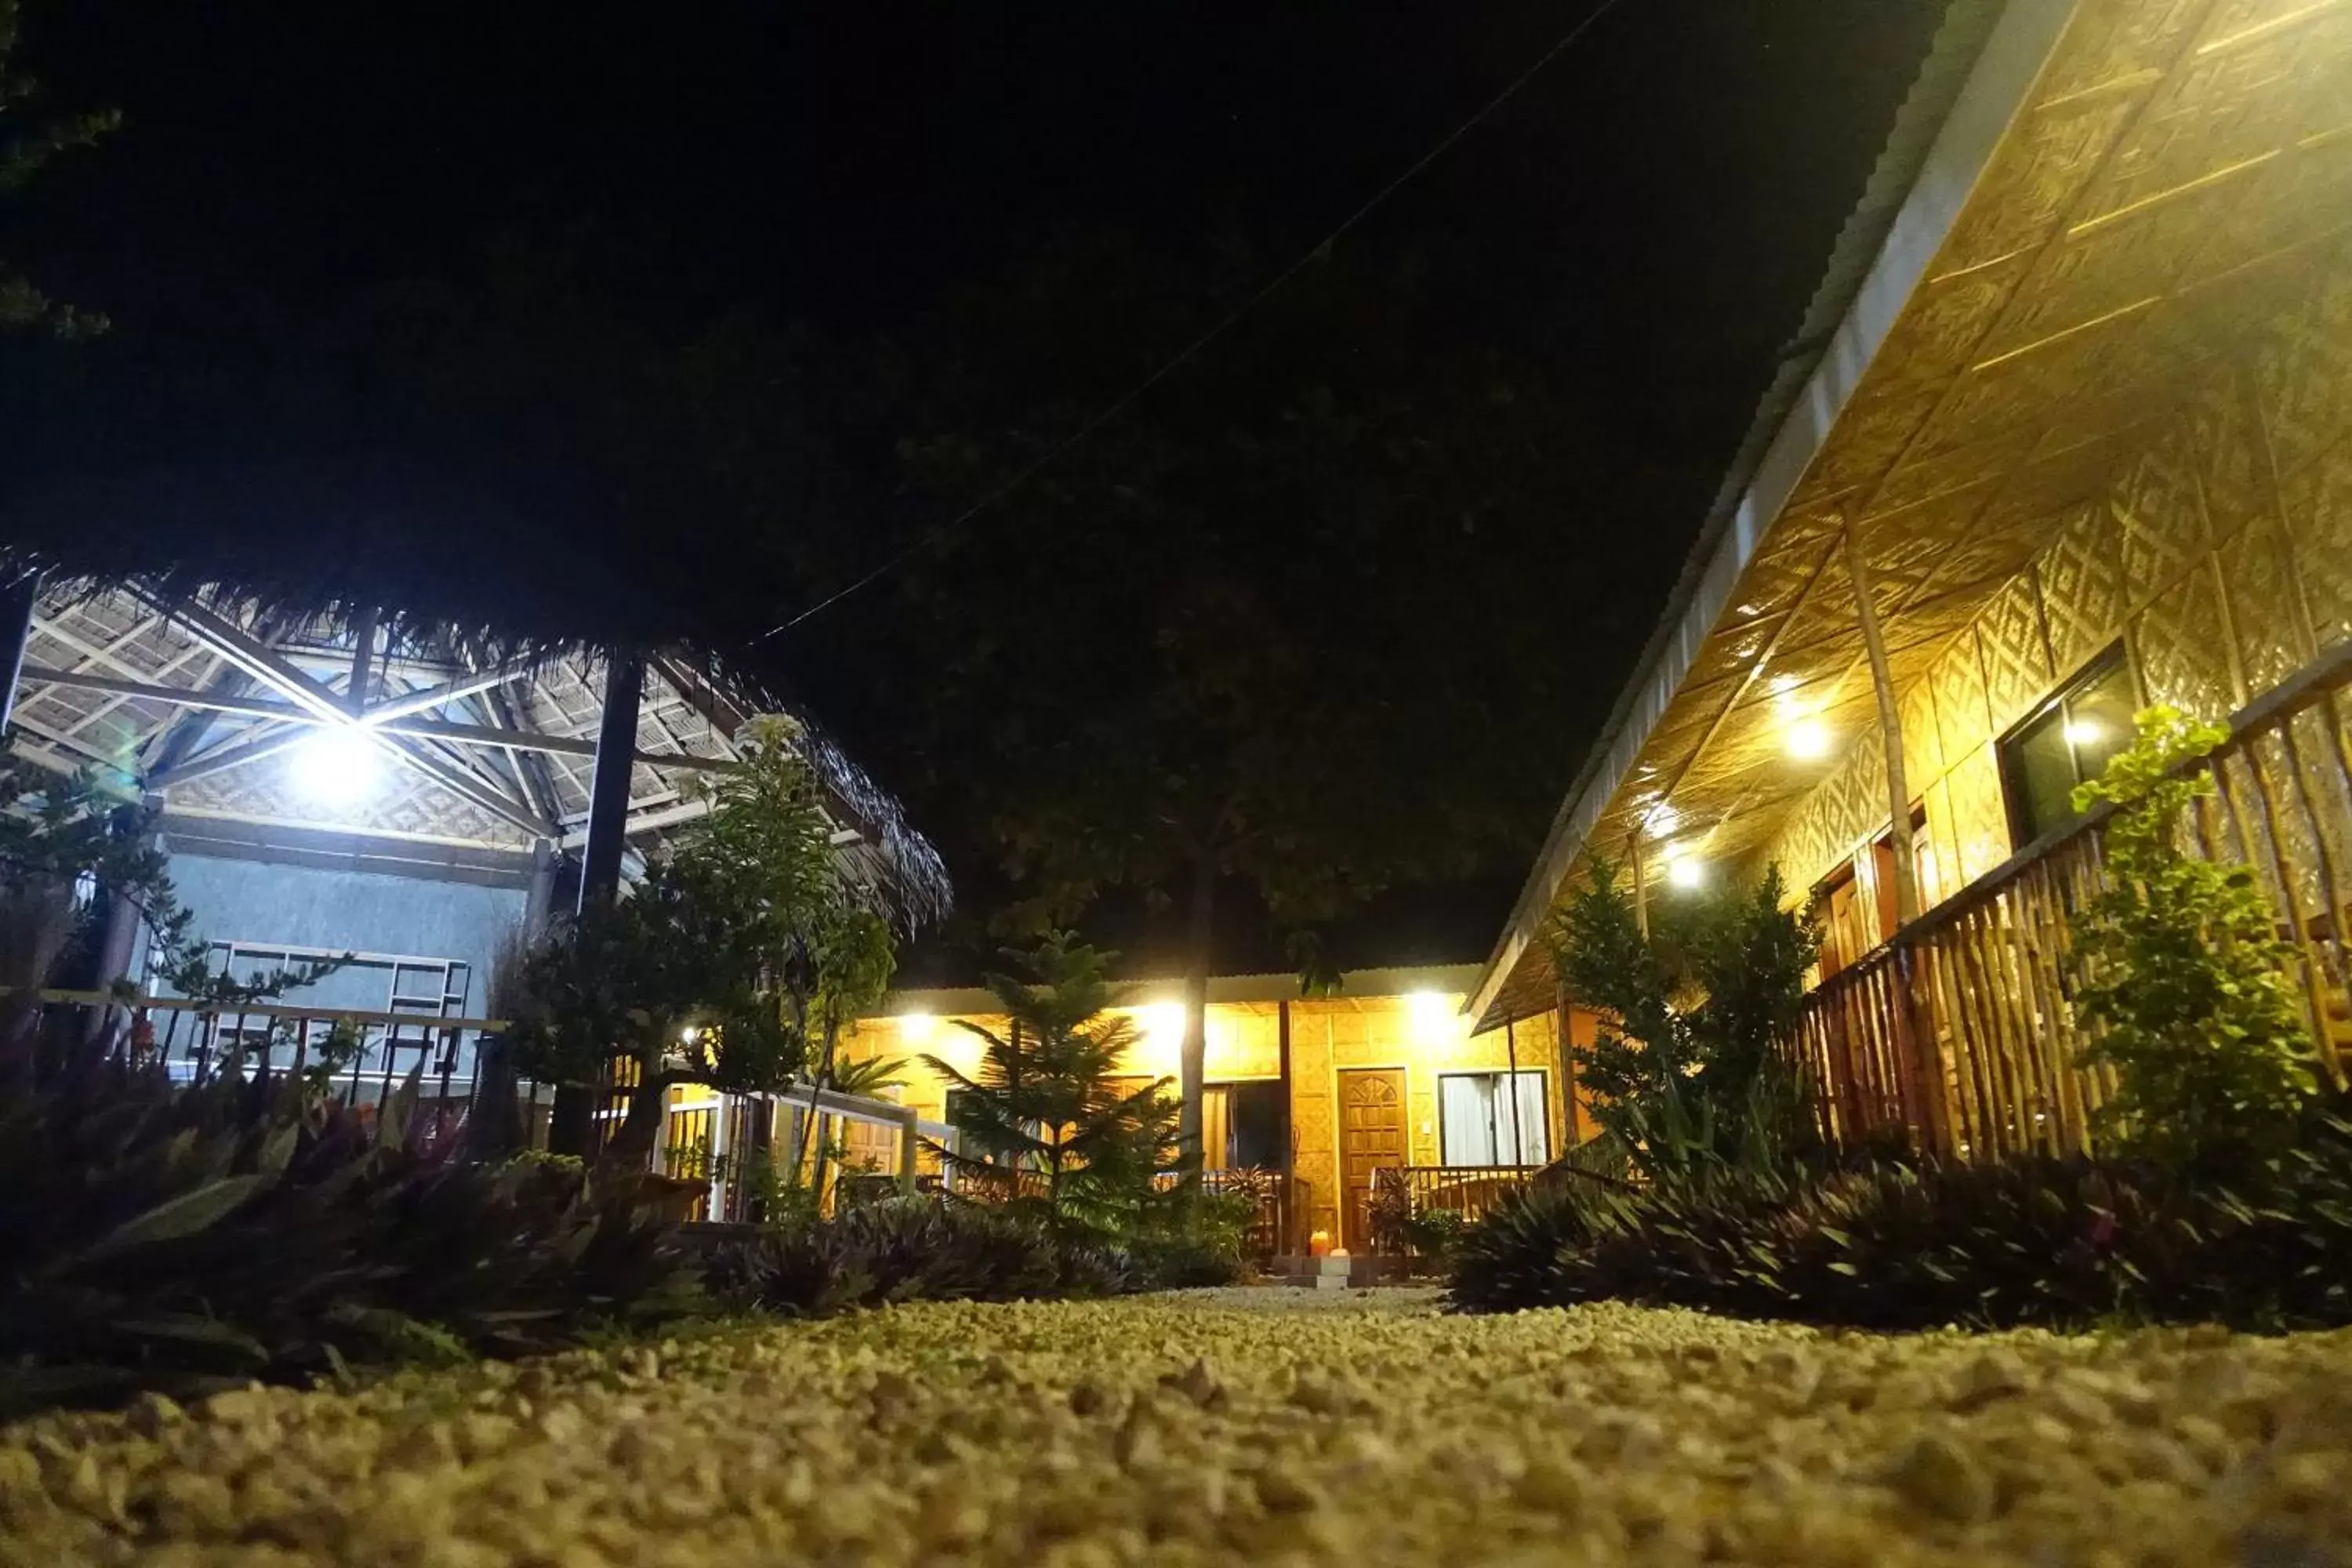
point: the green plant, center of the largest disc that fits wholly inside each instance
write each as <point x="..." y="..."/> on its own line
<point x="1899" y="1243"/>
<point x="1689" y="1064"/>
<point x="22" y="305"/>
<point x="737" y="962"/>
<point x="186" y="1239"/>
<point x="1049" y="1101"/>
<point x="909" y="1249"/>
<point x="2182" y="971"/>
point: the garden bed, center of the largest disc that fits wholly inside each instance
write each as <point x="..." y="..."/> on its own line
<point x="1259" y="1424"/>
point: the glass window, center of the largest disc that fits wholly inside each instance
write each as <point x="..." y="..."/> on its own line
<point x="1482" y="1121"/>
<point x="1258" y="1126"/>
<point x="2066" y="742"/>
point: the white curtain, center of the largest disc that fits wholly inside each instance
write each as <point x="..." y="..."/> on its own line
<point x="1467" y="1103"/>
<point x="1479" y="1124"/>
<point x="1523" y="1141"/>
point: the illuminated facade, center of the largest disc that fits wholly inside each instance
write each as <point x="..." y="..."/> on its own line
<point x="2074" y="435"/>
<point x="1320" y="1090"/>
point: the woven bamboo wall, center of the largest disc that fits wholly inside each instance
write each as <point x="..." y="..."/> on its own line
<point x="2221" y="557"/>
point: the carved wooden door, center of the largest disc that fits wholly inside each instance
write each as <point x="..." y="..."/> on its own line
<point x="1371" y="1137"/>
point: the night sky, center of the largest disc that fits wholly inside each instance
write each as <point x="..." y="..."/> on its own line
<point x="1647" y="220"/>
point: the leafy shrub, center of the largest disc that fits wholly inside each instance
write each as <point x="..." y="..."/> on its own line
<point x="1433" y="1234"/>
<point x="188" y="1238"/>
<point x="1688" y="1064"/>
<point x="2065" y="1242"/>
<point x="948" y="1250"/>
<point x="2181" y="966"/>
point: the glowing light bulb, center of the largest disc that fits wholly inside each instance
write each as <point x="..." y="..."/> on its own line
<point x="1685" y="873"/>
<point x="1809" y="738"/>
<point x="2084" y="731"/>
<point x="339" y="765"/>
<point x="915" y="1028"/>
<point x="1434" y="1014"/>
<point x="1662" y="820"/>
<point x="1163" y="1021"/>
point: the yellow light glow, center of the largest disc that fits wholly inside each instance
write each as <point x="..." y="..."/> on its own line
<point x="1809" y="738"/>
<point x="689" y="1033"/>
<point x="1435" y="1015"/>
<point x="1685" y="872"/>
<point x="915" y="1028"/>
<point x="2084" y="731"/>
<point x="1164" y="1023"/>
<point x="1662" y="820"/>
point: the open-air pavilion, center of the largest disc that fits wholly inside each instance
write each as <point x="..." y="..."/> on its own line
<point x="349" y="781"/>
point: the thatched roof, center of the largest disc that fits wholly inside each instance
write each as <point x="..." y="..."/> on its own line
<point x="198" y="693"/>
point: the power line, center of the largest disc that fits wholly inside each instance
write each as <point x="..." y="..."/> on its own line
<point x="1120" y="405"/>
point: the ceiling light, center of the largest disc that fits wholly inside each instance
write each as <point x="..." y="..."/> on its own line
<point x="1163" y="1021"/>
<point x="1809" y="738"/>
<point x="917" y="1027"/>
<point x="339" y="765"/>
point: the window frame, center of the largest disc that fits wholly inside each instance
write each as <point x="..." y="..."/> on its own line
<point x="2109" y="661"/>
<point x="1543" y="1081"/>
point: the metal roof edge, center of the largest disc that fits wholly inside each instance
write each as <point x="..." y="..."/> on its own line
<point x="1983" y="61"/>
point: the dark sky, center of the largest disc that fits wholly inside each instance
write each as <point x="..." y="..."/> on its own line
<point x="1649" y="215"/>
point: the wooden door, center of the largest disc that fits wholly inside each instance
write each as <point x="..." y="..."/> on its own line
<point x="1371" y="1137"/>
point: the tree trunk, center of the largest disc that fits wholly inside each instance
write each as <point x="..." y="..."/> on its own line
<point x="572" y="1124"/>
<point x="648" y="1103"/>
<point x="1192" y="1060"/>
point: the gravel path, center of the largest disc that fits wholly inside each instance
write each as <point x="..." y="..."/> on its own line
<point x="1227" y="1426"/>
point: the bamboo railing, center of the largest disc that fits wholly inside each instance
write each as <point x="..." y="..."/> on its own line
<point x="1962" y="1031"/>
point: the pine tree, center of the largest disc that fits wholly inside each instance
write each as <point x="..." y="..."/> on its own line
<point x="1048" y="1112"/>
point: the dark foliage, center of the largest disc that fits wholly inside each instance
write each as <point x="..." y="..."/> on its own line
<point x="945" y="1250"/>
<point x="184" y="1239"/>
<point x="1904" y="1243"/>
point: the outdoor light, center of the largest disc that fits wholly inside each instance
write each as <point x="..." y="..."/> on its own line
<point x="1433" y="1013"/>
<point x="1809" y="738"/>
<point x="1662" y="820"/>
<point x="338" y="766"/>
<point x="2084" y="731"/>
<point x="1163" y="1021"/>
<point x="1685" y="872"/>
<point x="917" y="1027"/>
<point x="689" y="1033"/>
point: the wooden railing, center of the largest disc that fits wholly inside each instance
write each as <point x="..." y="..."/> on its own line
<point x="1466" y="1190"/>
<point x="1962" y="1032"/>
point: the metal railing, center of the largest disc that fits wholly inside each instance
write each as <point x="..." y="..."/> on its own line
<point x="360" y="1054"/>
<point x="1962" y="1031"/>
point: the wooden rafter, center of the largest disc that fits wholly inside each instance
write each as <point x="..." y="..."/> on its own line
<point x="508" y="738"/>
<point x="273" y="671"/>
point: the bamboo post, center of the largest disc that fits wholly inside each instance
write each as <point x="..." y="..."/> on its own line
<point x="1890" y="730"/>
<point x="1641" y="888"/>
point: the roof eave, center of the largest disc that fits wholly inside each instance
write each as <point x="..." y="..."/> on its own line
<point x="1977" y="76"/>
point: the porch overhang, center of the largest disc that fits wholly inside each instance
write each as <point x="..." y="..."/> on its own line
<point x="2082" y="199"/>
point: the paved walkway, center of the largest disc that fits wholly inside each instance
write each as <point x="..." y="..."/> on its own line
<point x="1264" y="1426"/>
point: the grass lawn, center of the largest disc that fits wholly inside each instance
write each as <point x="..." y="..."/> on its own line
<point x="1245" y="1425"/>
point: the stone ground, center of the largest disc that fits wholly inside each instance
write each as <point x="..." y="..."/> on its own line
<point x="1260" y="1426"/>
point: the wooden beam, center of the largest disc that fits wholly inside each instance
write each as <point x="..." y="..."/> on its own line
<point x="433" y="696"/>
<point x="223" y="701"/>
<point x="273" y="671"/>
